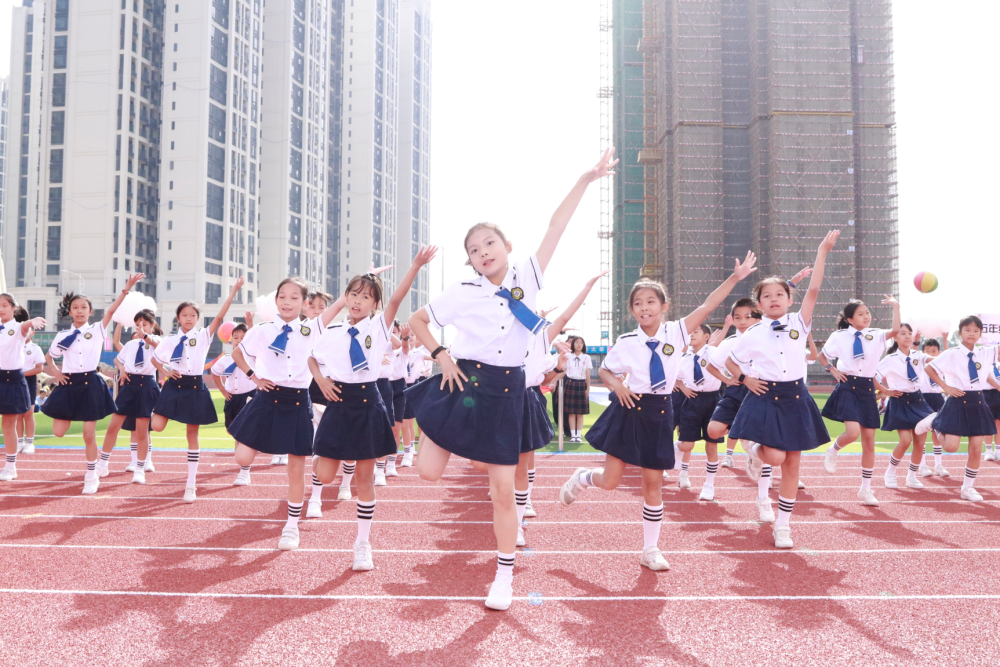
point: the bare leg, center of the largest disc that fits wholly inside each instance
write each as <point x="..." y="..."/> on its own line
<point x="432" y="460"/>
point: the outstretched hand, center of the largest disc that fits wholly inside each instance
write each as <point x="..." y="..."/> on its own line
<point x="830" y="241"/>
<point x="743" y="270"/>
<point x="604" y="167"/>
<point x="375" y="271"/>
<point x="426" y="254"/>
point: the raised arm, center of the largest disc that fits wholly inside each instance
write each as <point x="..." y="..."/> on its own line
<point x="217" y="322"/>
<point x="896" y="322"/>
<point x="110" y="312"/>
<point x="424" y="256"/>
<point x="560" y="219"/>
<point x="560" y="322"/>
<point x="118" y="337"/>
<point x="816" y="280"/>
<point x="331" y="312"/>
<point x="715" y="299"/>
<point x="34" y="323"/>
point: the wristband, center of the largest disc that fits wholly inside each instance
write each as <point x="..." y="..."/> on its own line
<point x="559" y="370"/>
<point x="741" y="378"/>
<point x="250" y="373"/>
<point x="791" y="284"/>
<point x="407" y="338"/>
<point x="829" y="367"/>
<point x="436" y="352"/>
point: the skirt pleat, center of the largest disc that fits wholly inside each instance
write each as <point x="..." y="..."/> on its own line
<point x="641" y="436"/>
<point x="355" y="428"/>
<point x="853" y="401"/>
<point x="15" y="394"/>
<point x="966" y="416"/>
<point x="903" y="413"/>
<point x="785" y="418"/>
<point x="186" y="400"/>
<point x="137" y="397"/>
<point x="538" y="429"/>
<point x="275" y="422"/>
<point x="84" y="398"/>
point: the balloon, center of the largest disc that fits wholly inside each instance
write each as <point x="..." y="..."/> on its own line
<point x="930" y="327"/>
<point x="132" y="304"/>
<point x="267" y="307"/>
<point x="226" y="331"/>
<point x="925" y="282"/>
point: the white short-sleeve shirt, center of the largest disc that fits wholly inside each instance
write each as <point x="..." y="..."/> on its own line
<point x="236" y="382"/>
<point x="12" y="344"/>
<point x="630" y="355"/>
<point x="686" y="372"/>
<point x="333" y="351"/>
<point x="488" y="332"/>
<point x="398" y="365"/>
<point x="926" y="385"/>
<point x="84" y="354"/>
<point x="891" y="371"/>
<point x="415" y="364"/>
<point x="33" y="356"/>
<point x="539" y="361"/>
<point x="127" y="357"/>
<point x="774" y="354"/>
<point x="954" y="365"/>
<point x="290" y="369"/>
<point x="840" y="346"/>
<point x="385" y="365"/>
<point x="578" y="366"/>
<point x="195" y="350"/>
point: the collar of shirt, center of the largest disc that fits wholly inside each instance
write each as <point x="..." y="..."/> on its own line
<point x="489" y="289"/>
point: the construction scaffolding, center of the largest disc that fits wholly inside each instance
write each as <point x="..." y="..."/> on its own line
<point x="763" y="125"/>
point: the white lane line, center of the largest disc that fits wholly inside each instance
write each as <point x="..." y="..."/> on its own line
<point x="479" y="598"/>
<point x="534" y="552"/>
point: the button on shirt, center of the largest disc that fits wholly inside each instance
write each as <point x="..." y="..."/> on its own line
<point x="238" y="382"/>
<point x="288" y="369"/>
<point x="774" y="355"/>
<point x="487" y="330"/>
<point x="954" y="364"/>
<point x="840" y="346"/>
<point x="333" y="351"/>
<point x="539" y="361"/>
<point x="194" y="354"/>
<point x="630" y="355"/>
<point x="686" y="372"/>
<point x="84" y="354"/>
<point x="127" y="357"/>
<point x="891" y="371"/>
<point x="925" y="380"/>
<point x="33" y="356"/>
<point x="578" y="366"/>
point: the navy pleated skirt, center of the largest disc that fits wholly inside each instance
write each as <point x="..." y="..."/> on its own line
<point x="15" y="397"/>
<point x="695" y="415"/>
<point x="316" y="394"/>
<point x="935" y="400"/>
<point x="538" y="429"/>
<point x="137" y="397"/>
<point x="408" y="411"/>
<point x="32" y="381"/>
<point x="903" y="413"/>
<point x="278" y="421"/>
<point x="729" y="404"/>
<point x="641" y="436"/>
<point x="385" y="391"/>
<point x="481" y="423"/>
<point x="966" y="416"/>
<point x="355" y="428"/>
<point x="785" y="418"/>
<point x="992" y="397"/>
<point x="853" y="401"/>
<point x="398" y="399"/>
<point x="186" y="400"/>
<point x="234" y="406"/>
<point x="84" y="398"/>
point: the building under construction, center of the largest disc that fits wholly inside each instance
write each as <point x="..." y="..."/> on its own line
<point x="752" y="124"/>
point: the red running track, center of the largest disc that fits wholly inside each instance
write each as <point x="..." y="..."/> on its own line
<point x="134" y="576"/>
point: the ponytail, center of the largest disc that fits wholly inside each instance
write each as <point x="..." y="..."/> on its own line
<point x="848" y="313"/>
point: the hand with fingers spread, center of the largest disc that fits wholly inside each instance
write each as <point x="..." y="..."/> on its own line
<point x="755" y="385"/>
<point x="451" y="374"/>
<point x="743" y="270"/>
<point x="687" y="391"/>
<point x="330" y="390"/>
<point x="802" y="275"/>
<point x="604" y="167"/>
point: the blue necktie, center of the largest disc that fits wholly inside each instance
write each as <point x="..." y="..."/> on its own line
<point x="699" y="377"/>
<point x="278" y="346"/>
<point x="68" y="340"/>
<point x="229" y="371"/>
<point x="859" y="349"/>
<point x="524" y="315"/>
<point x="178" y="352"/>
<point x="359" y="362"/>
<point x="911" y="373"/>
<point x="657" y="379"/>
<point x="139" y="358"/>
<point x="973" y="373"/>
<point x="996" y="373"/>
<point x="777" y="326"/>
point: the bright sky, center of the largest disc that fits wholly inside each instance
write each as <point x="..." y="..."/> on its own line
<point x="515" y="121"/>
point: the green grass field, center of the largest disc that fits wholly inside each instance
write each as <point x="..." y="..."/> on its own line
<point x="216" y="437"/>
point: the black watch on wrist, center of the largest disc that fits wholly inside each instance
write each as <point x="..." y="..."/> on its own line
<point x="438" y="351"/>
<point x="250" y="373"/>
<point x="741" y="378"/>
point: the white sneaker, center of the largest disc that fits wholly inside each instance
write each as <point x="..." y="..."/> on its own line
<point x="315" y="509"/>
<point x="971" y="495"/>
<point x="407" y="461"/>
<point x="682" y="480"/>
<point x="914" y="483"/>
<point x="520" y="536"/>
<point x="30" y="449"/>
<point x="830" y="461"/>
<point x="764" y="510"/>
<point x="925" y="470"/>
<point x="988" y="456"/>
<point x="344" y="493"/>
<point x="754" y="466"/>
<point x="284" y="459"/>
<point x="891" y="482"/>
<point x="529" y="510"/>
<point x="802" y="484"/>
<point x="867" y="497"/>
<point x="20" y="449"/>
<point x="390" y="469"/>
<point x="242" y="479"/>
<point x="9" y="473"/>
<point x="139" y="477"/>
<point x="654" y="560"/>
<point x="190" y="494"/>
<point x="707" y="493"/>
<point x="363" y="557"/>
<point x="90" y="483"/>
<point x="727" y="461"/>
<point x="939" y="471"/>
<point x="501" y="595"/>
<point x="380" y="479"/>
<point x="102" y="470"/>
<point x="666" y="476"/>
<point x="130" y="467"/>
<point x="783" y="537"/>
<point x="571" y="489"/>
<point x="289" y="538"/>
<point x="924" y="425"/>
<point x="148" y="466"/>
<point x="276" y="460"/>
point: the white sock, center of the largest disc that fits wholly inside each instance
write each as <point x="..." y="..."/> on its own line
<point x="134" y="450"/>
<point x="587" y="478"/>
<point x="193" y="457"/>
<point x="105" y="457"/>
<point x="29" y="441"/>
<point x="521" y="501"/>
<point x="730" y="450"/>
<point x="348" y="469"/>
<point x="294" y="512"/>
<point x="970" y="478"/>
<point x="785" y="507"/>
<point x="317" y="489"/>
<point x="531" y="482"/>
<point x="379" y="467"/>
<point x="764" y="483"/>
<point x="20" y="443"/>
<point x="912" y="472"/>
<point x="652" y="519"/>
<point x="710" y="470"/>
<point x="505" y="566"/>
<point x="91" y="466"/>
<point x="140" y="465"/>
<point x="866" y="478"/>
<point x="938" y="453"/>
<point x="245" y="469"/>
<point x="12" y="461"/>
<point x="893" y="464"/>
<point x="365" y="513"/>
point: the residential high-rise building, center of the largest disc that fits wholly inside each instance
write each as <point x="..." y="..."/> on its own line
<point x="335" y="149"/>
<point x="211" y="153"/>
<point x="754" y="124"/>
<point x="413" y="210"/>
<point x="3" y="152"/>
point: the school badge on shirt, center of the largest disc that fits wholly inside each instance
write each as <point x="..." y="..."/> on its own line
<point x="192" y="342"/>
<point x="517" y="293"/>
<point x="869" y="337"/>
<point x="305" y="331"/>
<point x="87" y="335"/>
<point x="793" y="334"/>
<point x="979" y="366"/>
<point x="368" y="342"/>
<point x="10" y="332"/>
<point x="704" y="363"/>
<point x="668" y="349"/>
